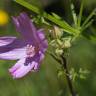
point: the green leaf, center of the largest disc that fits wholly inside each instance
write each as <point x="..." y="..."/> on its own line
<point x="81" y="71"/>
<point x="88" y="18"/>
<point x="80" y="13"/>
<point x="63" y="24"/>
<point x="82" y="76"/>
<point x="60" y="73"/>
<point x="87" y="25"/>
<point x="73" y="13"/>
<point x="56" y="16"/>
<point x="27" y="5"/>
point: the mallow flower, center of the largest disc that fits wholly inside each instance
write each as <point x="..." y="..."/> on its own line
<point x="28" y="49"/>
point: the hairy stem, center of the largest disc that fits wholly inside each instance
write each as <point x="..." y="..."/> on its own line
<point x="70" y="85"/>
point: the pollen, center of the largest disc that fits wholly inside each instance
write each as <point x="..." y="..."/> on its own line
<point x="3" y="18"/>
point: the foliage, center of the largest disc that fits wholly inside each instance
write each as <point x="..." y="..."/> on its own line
<point x="64" y="38"/>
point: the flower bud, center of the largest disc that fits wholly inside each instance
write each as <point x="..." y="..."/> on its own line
<point x="57" y="32"/>
<point x="58" y="51"/>
<point x="67" y="43"/>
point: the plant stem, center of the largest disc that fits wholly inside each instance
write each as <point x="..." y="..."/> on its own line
<point x="70" y="85"/>
<point x="73" y="13"/>
<point x="88" y="18"/>
<point x="53" y="56"/>
<point x="62" y="23"/>
<point x="87" y="25"/>
<point x="80" y="13"/>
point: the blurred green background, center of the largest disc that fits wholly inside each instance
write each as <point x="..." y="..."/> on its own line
<point x="46" y="82"/>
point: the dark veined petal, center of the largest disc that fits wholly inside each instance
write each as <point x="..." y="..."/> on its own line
<point x="17" y="43"/>
<point x="38" y="58"/>
<point x="12" y="49"/>
<point x="41" y="56"/>
<point x="17" y="65"/>
<point x="16" y="23"/>
<point x="14" y="54"/>
<point x="42" y="40"/>
<point x="6" y="40"/>
<point x="19" y="70"/>
<point x="29" y="32"/>
<point x="26" y="28"/>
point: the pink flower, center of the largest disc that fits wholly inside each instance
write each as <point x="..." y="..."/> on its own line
<point x="28" y="50"/>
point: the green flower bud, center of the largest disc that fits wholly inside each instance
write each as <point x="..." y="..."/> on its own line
<point x="58" y="51"/>
<point x="67" y="42"/>
<point x="57" y="32"/>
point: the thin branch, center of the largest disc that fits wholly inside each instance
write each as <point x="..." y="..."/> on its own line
<point x="87" y="25"/>
<point x="62" y="23"/>
<point x="64" y="63"/>
<point x="73" y="13"/>
<point x="52" y="55"/>
<point x="80" y="13"/>
<point x="88" y="18"/>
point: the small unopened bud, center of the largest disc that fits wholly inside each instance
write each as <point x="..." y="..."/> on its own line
<point x="58" y="51"/>
<point x="57" y="32"/>
<point x="67" y="43"/>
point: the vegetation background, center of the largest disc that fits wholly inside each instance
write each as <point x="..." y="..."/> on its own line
<point x="46" y="82"/>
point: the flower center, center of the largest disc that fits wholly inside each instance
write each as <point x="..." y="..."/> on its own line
<point x="31" y="50"/>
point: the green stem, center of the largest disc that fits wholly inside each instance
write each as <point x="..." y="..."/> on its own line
<point x="53" y="56"/>
<point x="63" y="62"/>
<point x="73" y="13"/>
<point x="88" y="18"/>
<point x="87" y="25"/>
<point x="70" y="85"/>
<point x="61" y="23"/>
<point x="80" y="13"/>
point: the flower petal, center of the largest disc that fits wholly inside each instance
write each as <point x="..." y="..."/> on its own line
<point x="27" y="29"/>
<point x="23" y="70"/>
<point x="16" y="23"/>
<point x="17" y="65"/>
<point x="41" y="34"/>
<point x="41" y="56"/>
<point x="20" y="69"/>
<point x="29" y="32"/>
<point x="36" y="66"/>
<point x="6" y="40"/>
<point x="13" y="54"/>
<point x="17" y="43"/>
<point x="42" y="41"/>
